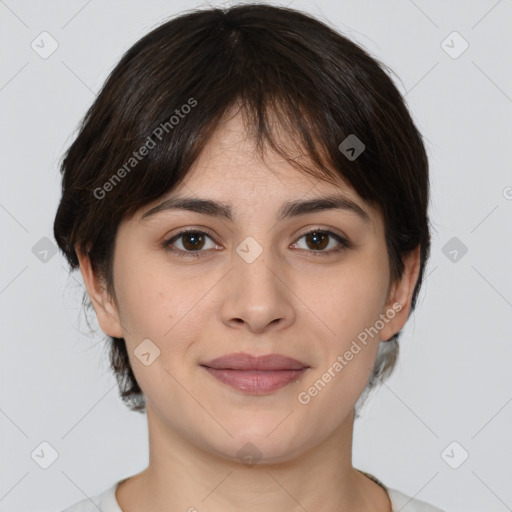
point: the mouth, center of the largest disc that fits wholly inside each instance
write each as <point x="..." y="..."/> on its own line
<point x="255" y="375"/>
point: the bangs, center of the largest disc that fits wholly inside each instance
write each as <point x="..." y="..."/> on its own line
<point x="283" y="106"/>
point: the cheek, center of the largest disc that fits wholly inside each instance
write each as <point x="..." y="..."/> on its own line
<point x="153" y="300"/>
<point x="355" y="302"/>
<point x="166" y="309"/>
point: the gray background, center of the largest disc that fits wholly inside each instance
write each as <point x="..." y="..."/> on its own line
<point x="453" y="380"/>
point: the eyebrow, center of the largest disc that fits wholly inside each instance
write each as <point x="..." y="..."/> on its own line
<point x="288" y="209"/>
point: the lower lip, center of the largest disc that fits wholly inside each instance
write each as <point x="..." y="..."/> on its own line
<point x="256" y="382"/>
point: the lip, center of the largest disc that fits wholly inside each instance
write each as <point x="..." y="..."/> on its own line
<point x="243" y="361"/>
<point x="255" y="374"/>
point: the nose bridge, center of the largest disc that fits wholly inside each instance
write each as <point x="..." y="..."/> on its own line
<point x="252" y="264"/>
<point x="256" y="292"/>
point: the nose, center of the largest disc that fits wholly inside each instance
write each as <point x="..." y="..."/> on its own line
<point x="256" y="295"/>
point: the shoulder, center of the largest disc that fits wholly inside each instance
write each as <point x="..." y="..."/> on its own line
<point x="401" y="501"/>
<point x="105" y="501"/>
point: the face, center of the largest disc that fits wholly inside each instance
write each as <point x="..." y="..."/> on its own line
<point x="304" y="286"/>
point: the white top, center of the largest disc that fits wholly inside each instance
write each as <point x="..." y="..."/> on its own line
<point x="106" y="502"/>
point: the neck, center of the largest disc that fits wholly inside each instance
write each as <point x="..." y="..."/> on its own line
<point x="181" y="476"/>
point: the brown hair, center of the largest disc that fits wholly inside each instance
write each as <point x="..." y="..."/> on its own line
<point x="171" y="90"/>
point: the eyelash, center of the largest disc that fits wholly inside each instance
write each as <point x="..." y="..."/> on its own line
<point x="344" y="244"/>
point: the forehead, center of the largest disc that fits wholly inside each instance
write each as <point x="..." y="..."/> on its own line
<point x="231" y="156"/>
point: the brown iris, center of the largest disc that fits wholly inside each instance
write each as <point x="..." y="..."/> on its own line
<point x="196" y="241"/>
<point x="320" y="240"/>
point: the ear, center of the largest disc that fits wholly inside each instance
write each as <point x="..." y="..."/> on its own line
<point x="400" y="296"/>
<point x="104" y="305"/>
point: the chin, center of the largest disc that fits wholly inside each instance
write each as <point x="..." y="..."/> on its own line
<point x="260" y="443"/>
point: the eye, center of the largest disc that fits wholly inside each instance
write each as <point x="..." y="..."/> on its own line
<point x="317" y="240"/>
<point x="192" y="243"/>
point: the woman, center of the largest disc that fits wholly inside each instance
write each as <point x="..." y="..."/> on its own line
<point x="247" y="202"/>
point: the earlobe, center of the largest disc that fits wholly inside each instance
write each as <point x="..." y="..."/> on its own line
<point x="398" y="306"/>
<point x="104" y="306"/>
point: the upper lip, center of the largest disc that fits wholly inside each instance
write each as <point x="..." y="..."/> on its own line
<point x="242" y="361"/>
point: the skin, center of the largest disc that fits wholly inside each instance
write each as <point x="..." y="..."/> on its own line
<point x="291" y="300"/>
